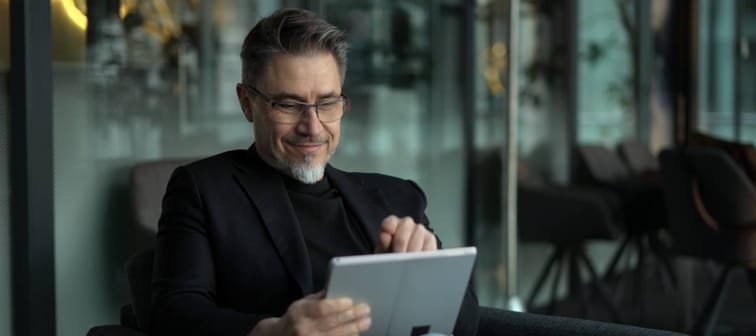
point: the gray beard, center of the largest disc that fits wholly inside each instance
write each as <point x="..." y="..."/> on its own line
<point x="304" y="172"/>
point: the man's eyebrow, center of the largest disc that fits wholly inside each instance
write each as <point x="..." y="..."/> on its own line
<point x="294" y="96"/>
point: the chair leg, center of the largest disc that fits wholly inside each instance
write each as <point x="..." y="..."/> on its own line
<point x="555" y="286"/>
<point x="616" y="258"/>
<point x="638" y="298"/>
<point x="708" y="318"/>
<point x="575" y="284"/>
<point x="601" y="289"/>
<point x="661" y="253"/>
<point x="542" y="276"/>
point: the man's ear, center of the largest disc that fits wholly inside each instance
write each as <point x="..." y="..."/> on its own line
<point x="244" y="103"/>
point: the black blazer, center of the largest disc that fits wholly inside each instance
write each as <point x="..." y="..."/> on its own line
<point x="230" y="251"/>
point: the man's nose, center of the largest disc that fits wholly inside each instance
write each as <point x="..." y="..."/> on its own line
<point x="310" y="123"/>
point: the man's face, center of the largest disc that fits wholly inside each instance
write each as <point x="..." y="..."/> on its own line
<point x="303" y="147"/>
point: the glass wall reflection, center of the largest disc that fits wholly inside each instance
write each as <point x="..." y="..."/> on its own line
<point x="543" y="139"/>
<point x="606" y="109"/>
<point x="716" y="68"/>
<point x="746" y="50"/>
<point x="490" y="69"/>
<point x="405" y="117"/>
<point x="133" y="81"/>
<point x="726" y="107"/>
<point x="138" y="81"/>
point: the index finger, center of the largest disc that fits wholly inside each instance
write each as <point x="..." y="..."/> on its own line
<point x="390" y="224"/>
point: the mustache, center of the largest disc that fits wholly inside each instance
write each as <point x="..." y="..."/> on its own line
<point x="300" y="140"/>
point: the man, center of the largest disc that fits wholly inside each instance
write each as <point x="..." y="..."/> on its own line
<point x="245" y="236"/>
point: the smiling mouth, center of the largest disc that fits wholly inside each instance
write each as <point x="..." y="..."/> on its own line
<point x="306" y="145"/>
<point x="307" y="148"/>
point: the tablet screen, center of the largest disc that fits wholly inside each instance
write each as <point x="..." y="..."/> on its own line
<point x="410" y="293"/>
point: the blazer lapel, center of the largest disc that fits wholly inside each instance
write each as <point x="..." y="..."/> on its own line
<point x="367" y="205"/>
<point x="265" y="188"/>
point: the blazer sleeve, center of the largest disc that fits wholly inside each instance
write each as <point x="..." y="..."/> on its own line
<point x="184" y="271"/>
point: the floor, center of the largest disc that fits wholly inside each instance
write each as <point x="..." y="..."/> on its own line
<point x="658" y="302"/>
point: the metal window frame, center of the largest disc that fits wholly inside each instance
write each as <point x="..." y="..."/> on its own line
<point x="31" y="170"/>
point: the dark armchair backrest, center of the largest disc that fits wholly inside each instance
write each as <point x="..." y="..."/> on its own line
<point x="692" y="235"/>
<point x="600" y="165"/>
<point x="139" y="274"/>
<point x="729" y="194"/>
<point x="148" y="182"/>
<point x="687" y="227"/>
<point x="638" y="157"/>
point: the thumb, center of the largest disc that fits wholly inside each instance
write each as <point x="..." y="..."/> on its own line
<point x="318" y="295"/>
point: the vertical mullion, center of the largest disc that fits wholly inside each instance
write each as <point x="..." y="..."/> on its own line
<point x="467" y="57"/>
<point x="31" y="169"/>
<point x="572" y="86"/>
<point x="737" y="95"/>
<point x="643" y="70"/>
<point x="511" y="158"/>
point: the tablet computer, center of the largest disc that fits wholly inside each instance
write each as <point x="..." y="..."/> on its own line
<point x="409" y="294"/>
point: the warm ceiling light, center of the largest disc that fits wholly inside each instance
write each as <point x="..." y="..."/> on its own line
<point x="73" y="13"/>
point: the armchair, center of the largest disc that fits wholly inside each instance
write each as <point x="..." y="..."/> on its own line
<point x="567" y="218"/>
<point x="641" y="205"/>
<point x="638" y="157"/>
<point x="712" y="217"/>
<point x="147" y="184"/>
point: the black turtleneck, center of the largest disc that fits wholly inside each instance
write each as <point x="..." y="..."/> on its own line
<point x="329" y="228"/>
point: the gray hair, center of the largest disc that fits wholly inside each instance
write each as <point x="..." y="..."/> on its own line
<point x="291" y="31"/>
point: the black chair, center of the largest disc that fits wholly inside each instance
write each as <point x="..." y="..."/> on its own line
<point x="567" y="218"/>
<point x="711" y="217"/>
<point x="638" y="157"/>
<point x="563" y="217"/>
<point x="641" y="204"/>
<point x="147" y="182"/>
<point x="135" y="316"/>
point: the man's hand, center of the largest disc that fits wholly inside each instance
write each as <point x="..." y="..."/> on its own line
<point x="404" y="235"/>
<point x="315" y="315"/>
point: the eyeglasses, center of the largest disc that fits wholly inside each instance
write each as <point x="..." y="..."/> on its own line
<point x="291" y="111"/>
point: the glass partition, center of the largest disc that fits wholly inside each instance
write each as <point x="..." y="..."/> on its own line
<point x="408" y="78"/>
<point x="405" y="117"/>
<point x="746" y="54"/>
<point x="726" y="69"/>
<point x="543" y="125"/>
<point x="716" y="68"/>
<point x="132" y="81"/>
<point x="490" y="70"/>
<point x="605" y="74"/>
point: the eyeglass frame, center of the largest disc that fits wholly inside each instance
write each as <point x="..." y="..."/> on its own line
<point x="303" y="107"/>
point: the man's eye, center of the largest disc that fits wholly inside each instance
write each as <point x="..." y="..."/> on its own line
<point x="328" y="104"/>
<point x="288" y="106"/>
